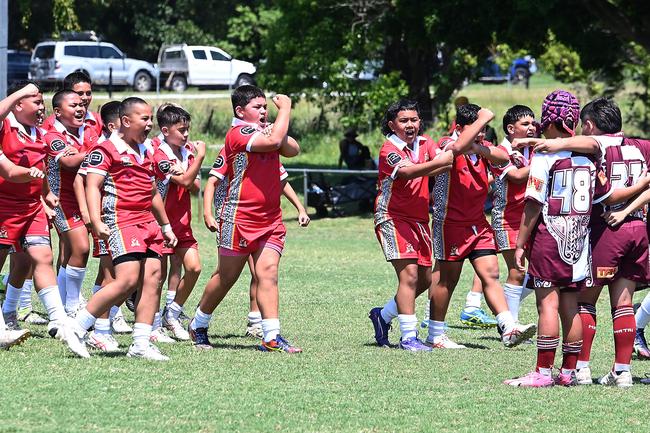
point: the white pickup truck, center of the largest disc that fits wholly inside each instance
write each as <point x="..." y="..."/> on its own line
<point x="197" y="65"/>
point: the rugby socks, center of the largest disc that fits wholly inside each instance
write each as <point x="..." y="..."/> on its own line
<point x="174" y="310"/>
<point x="506" y="321"/>
<point x="114" y="312"/>
<point x="51" y="299"/>
<point x="73" y="281"/>
<point x="587" y="314"/>
<point x="171" y="295"/>
<point x="473" y="300"/>
<point x="546" y="347"/>
<point x="201" y="320"/>
<point x="570" y="352"/>
<point x="389" y="312"/>
<point x="408" y="324"/>
<point x="643" y="313"/>
<point x="103" y="326"/>
<point x="271" y="329"/>
<point x="624" y="333"/>
<point x="157" y="322"/>
<point x="513" y="298"/>
<point x="141" y="334"/>
<point x="254" y="317"/>
<point x="60" y="281"/>
<point x="25" y="302"/>
<point x="85" y="320"/>
<point x="436" y="329"/>
<point x="10" y="305"/>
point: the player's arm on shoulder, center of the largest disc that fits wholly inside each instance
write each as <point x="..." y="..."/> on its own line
<point x="493" y="154"/>
<point x="467" y="137"/>
<point x="578" y="143"/>
<point x="441" y="163"/>
<point x="621" y="195"/>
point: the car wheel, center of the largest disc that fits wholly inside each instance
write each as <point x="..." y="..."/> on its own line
<point x="244" y="79"/>
<point x="142" y="81"/>
<point x="178" y="83"/>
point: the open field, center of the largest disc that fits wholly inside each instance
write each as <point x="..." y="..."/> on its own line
<point x="332" y="273"/>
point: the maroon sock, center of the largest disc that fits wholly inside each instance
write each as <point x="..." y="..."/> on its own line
<point x="546" y="347"/>
<point x="624" y="332"/>
<point x="570" y="352"/>
<point x="587" y="314"/>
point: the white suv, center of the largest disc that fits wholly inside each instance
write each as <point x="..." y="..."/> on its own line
<point x="196" y="65"/>
<point x="53" y="60"/>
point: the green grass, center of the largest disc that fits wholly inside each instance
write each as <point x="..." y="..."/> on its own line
<point x="332" y="273"/>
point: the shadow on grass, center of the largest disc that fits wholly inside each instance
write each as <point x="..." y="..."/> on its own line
<point x="474" y="346"/>
<point x="234" y="346"/>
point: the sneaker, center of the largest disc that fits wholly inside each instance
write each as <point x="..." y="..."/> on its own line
<point x="566" y="379"/>
<point x="583" y="376"/>
<point x="279" y="344"/>
<point x="443" y="342"/>
<point x="130" y="302"/>
<point x="381" y="327"/>
<point x="27" y="315"/>
<point x="518" y="334"/>
<point x="184" y="318"/>
<point x="640" y="345"/>
<point x="52" y="328"/>
<point x="11" y="321"/>
<point x="103" y="342"/>
<point x="531" y="380"/>
<point x="254" y="330"/>
<point x="73" y="336"/>
<point x="622" y="379"/>
<point x="120" y="326"/>
<point x="174" y="326"/>
<point x="199" y="337"/>
<point x="159" y="335"/>
<point x="151" y="353"/>
<point x="476" y="318"/>
<point x="413" y="344"/>
<point x="10" y="338"/>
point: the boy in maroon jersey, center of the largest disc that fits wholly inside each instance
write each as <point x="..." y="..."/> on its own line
<point x="461" y="231"/>
<point x="251" y="220"/>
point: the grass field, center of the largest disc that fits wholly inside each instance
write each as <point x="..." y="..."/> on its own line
<point x="332" y="273"/>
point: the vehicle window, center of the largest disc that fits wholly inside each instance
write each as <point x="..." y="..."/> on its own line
<point x="109" y="53"/>
<point x="90" y="51"/>
<point x="176" y="54"/>
<point x="199" y="54"/>
<point x="44" y="52"/>
<point x="71" y="50"/>
<point x="218" y="56"/>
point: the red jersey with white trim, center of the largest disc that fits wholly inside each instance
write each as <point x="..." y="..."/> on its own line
<point x="566" y="184"/>
<point x="92" y="121"/>
<point x="508" y="198"/>
<point x="26" y="149"/>
<point x="459" y="195"/>
<point x="406" y="199"/>
<point x="253" y="196"/>
<point x="128" y="182"/>
<point x="178" y="203"/>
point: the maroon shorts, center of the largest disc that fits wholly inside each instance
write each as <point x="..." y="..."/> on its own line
<point x="402" y="239"/>
<point x="185" y="240"/>
<point x="18" y="222"/>
<point x="506" y="239"/>
<point x="620" y="252"/>
<point x="455" y="242"/>
<point x="240" y="240"/>
<point x="68" y="217"/>
<point x="137" y="238"/>
<point x="533" y="283"/>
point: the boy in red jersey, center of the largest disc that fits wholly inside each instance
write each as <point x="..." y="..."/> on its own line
<point x="460" y="231"/>
<point x="251" y="220"/>
<point x="125" y="217"/>
<point x="175" y="190"/>
<point x="23" y="222"/>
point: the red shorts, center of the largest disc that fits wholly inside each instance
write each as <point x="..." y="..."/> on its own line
<point x="137" y="238"/>
<point x="99" y="247"/>
<point x="506" y="239"/>
<point x="533" y="283"/>
<point x="402" y="239"/>
<point x="620" y="252"/>
<point x="454" y="242"/>
<point x="238" y="240"/>
<point x="68" y="217"/>
<point x="185" y="240"/>
<point x="19" y="222"/>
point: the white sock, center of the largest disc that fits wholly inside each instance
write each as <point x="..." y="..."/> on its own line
<point x="171" y="295"/>
<point x="10" y="305"/>
<point x="201" y="320"/>
<point x="73" y="281"/>
<point x="427" y="311"/>
<point x="546" y="371"/>
<point x="51" y="299"/>
<point x="436" y="329"/>
<point x="582" y="364"/>
<point x="567" y="371"/>
<point x="85" y="320"/>
<point x="141" y="334"/>
<point x="254" y="317"/>
<point x="103" y="326"/>
<point x="115" y="312"/>
<point x="157" y="322"/>
<point x="473" y="300"/>
<point x="26" y="295"/>
<point x="642" y="315"/>
<point x="621" y="367"/>
<point x="506" y="321"/>
<point x="513" y="298"/>
<point x="389" y="312"/>
<point x="174" y="310"/>
<point x="270" y="328"/>
<point x="60" y="281"/>
<point x="408" y="324"/>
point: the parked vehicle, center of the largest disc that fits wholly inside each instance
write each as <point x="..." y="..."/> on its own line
<point x="197" y="65"/>
<point x="17" y="65"/>
<point x="519" y="71"/>
<point x="102" y="61"/>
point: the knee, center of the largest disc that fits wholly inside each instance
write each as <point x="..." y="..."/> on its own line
<point x="193" y="269"/>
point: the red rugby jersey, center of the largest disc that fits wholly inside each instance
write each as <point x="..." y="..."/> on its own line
<point x="92" y="121"/>
<point x="26" y="149"/>
<point x="128" y="182"/>
<point x="403" y="198"/>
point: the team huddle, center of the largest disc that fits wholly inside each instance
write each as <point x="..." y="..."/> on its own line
<point x="99" y="174"/>
<point x="568" y="217"/>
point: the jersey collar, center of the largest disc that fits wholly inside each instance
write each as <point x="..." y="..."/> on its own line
<point x="122" y="147"/>
<point x="239" y="122"/>
<point x="90" y="116"/>
<point x="34" y="132"/>
<point x="167" y="149"/>
<point x="401" y="144"/>
<point x="63" y="130"/>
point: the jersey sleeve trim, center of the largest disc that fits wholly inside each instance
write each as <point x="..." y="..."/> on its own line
<point x="249" y="145"/>
<point x="506" y="170"/>
<point x="603" y="197"/>
<point x="96" y="171"/>
<point x="216" y="174"/>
